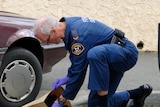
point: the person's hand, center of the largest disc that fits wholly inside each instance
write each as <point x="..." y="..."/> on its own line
<point x="56" y="104"/>
<point x="59" y="82"/>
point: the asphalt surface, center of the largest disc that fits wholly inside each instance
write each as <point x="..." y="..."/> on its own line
<point x="146" y="71"/>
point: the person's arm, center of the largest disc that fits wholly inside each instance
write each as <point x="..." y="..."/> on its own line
<point x="76" y="74"/>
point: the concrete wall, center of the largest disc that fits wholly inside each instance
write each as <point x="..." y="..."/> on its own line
<point x="137" y="18"/>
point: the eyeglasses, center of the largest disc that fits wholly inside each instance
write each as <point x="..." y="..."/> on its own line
<point x="48" y="38"/>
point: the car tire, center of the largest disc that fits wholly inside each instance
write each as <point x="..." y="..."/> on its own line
<point x="20" y="78"/>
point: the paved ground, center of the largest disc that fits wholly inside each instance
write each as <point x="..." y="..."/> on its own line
<point x="145" y="71"/>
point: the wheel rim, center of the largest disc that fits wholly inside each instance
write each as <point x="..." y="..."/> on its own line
<point x="17" y="80"/>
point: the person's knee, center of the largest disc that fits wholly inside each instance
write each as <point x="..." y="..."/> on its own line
<point x="96" y="53"/>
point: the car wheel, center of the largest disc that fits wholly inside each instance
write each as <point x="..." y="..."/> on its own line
<point x="20" y="78"/>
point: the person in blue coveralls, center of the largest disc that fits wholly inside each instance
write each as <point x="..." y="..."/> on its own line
<point x="107" y="52"/>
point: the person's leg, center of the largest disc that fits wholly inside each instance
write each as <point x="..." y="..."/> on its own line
<point x="116" y="99"/>
<point x="93" y="99"/>
<point x="105" y="61"/>
<point x="119" y="99"/>
<point x="107" y="65"/>
<point x="99" y="74"/>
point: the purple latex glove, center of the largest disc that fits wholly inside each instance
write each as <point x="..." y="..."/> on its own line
<point x="59" y="82"/>
<point x="55" y="104"/>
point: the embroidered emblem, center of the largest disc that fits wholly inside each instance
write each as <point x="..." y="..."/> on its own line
<point x="77" y="48"/>
<point x="76" y="38"/>
<point x="75" y="35"/>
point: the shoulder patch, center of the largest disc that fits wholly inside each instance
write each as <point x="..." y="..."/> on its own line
<point x="77" y="48"/>
<point x="75" y="34"/>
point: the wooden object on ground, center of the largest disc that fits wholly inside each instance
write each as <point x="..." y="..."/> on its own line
<point x="48" y="99"/>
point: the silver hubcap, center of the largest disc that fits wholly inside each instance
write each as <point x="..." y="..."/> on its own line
<point x="17" y="80"/>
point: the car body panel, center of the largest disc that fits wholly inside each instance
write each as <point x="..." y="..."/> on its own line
<point x="53" y="58"/>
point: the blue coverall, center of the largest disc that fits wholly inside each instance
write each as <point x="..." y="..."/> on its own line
<point x="88" y="42"/>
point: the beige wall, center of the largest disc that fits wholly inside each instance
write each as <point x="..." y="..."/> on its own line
<point x="138" y="18"/>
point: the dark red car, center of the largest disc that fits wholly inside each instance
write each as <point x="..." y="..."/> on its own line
<point x="23" y="60"/>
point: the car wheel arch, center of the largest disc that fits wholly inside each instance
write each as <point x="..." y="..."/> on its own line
<point x="30" y="44"/>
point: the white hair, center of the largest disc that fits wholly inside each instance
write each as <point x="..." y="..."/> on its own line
<point x="44" y="25"/>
